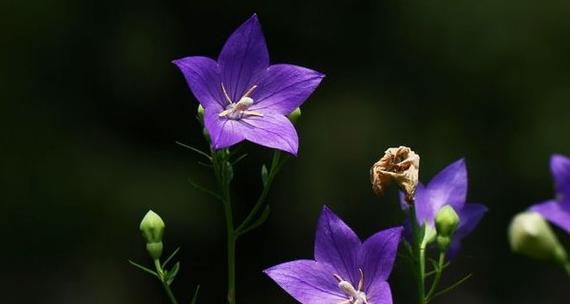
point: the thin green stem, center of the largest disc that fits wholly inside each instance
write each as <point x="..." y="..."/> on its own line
<point x="222" y="170"/>
<point x="276" y="165"/>
<point x="419" y="254"/>
<point x="437" y="278"/>
<point x="162" y="277"/>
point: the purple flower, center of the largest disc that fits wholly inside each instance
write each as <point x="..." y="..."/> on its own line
<point x="557" y="211"/>
<point x="449" y="187"/>
<point x="244" y="97"/>
<point x="344" y="271"/>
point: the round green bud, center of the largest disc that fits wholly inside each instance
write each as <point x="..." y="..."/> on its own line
<point x="530" y="235"/>
<point x="152" y="227"/>
<point x="294" y="116"/>
<point x="446" y="221"/>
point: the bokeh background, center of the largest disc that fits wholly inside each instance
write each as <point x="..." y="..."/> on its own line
<point x="91" y="109"/>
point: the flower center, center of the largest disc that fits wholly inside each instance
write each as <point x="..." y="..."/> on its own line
<point x="354" y="296"/>
<point x="238" y="110"/>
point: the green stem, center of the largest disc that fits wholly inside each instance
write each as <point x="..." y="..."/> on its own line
<point x="276" y="165"/>
<point x="419" y="253"/>
<point x="161" y="276"/>
<point x="222" y="170"/>
<point x="437" y="278"/>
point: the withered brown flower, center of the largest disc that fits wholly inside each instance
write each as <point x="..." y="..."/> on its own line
<point x="400" y="165"/>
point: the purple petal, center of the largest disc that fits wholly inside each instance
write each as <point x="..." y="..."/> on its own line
<point x="469" y="217"/>
<point x="307" y="281"/>
<point x="558" y="213"/>
<point x="244" y="56"/>
<point x="426" y="208"/>
<point x="449" y="186"/>
<point x="271" y="130"/>
<point x="336" y="244"/>
<point x="223" y="132"/>
<point x="284" y="87"/>
<point x="377" y="255"/>
<point x="379" y="293"/>
<point x="560" y="167"/>
<point x="203" y="77"/>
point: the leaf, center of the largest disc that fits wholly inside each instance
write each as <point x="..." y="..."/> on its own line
<point x="200" y="152"/>
<point x="170" y="257"/>
<point x="204" y="189"/>
<point x="239" y="159"/>
<point x="452" y="286"/>
<point x="258" y="222"/>
<point x="264" y="175"/>
<point x="171" y="274"/>
<point x="144" y="268"/>
<point x="195" y="297"/>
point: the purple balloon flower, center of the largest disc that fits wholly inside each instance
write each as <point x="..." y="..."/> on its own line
<point x="557" y="211"/>
<point x="344" y="271"/>
<point x="244" y="97"/>
<point x="449" y="187"/>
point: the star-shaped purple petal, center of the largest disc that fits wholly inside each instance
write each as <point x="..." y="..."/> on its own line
<point x="246" y="98"/>
<point x="557" y="211"/>
<point x="344" y="269"/>
<point x="449" y="187"/>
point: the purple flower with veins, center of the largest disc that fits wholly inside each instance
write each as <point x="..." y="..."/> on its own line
<point x="448" y="187"/>
<point x="244" y="97"/>
<point x="557" y="211"/>
<point x="344" y="271"/>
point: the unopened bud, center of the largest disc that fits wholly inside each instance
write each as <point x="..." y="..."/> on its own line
<point x="200" y="114"/>
<point x="446" y="221"/>
<point x="530" y="234"/>
<point x="294" y="116"/>
<point x="152" y="227"/>
<point x="400" y="165"/>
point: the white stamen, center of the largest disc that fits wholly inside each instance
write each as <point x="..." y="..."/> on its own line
<point x="354" y="296"/>
<point x="239" y="109"/>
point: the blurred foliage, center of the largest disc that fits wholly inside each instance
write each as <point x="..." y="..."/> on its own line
<point x="92" y="108"/>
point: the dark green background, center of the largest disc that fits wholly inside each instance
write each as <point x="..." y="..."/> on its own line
<point x="91" y="107"/>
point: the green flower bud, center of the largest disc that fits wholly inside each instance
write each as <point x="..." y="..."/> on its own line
<point x="294" y="116"/>
<point x="152" y="227"/>
<point x="446" y="221"/>
<point x="154" y="250"/>
<point x="530" y="234"/>
<point x="200" y="114"/>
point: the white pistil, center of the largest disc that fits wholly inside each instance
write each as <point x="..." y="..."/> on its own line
<point x="354" y="296"/>
<point x="239" y="109"/>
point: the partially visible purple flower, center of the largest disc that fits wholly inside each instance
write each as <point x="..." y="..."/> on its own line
<point x="448" y="187"/>
<point x="344" y="271"/>
<point x="244" y="97"/>
<point x="557" y="210"/>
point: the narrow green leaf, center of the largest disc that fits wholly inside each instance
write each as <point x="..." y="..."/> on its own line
<point x="170" y="257"/>
<point x="195" y="297"/>
<point x="239" y="159"/>
<point x="264" y="175"/>
<point x="171" y="274"/>
<point x="258" y="222"/>
<point x="200" y="152"/>
<point x="204" y="189"/>
<point x="452" y="286"/>
<point x="144" y="268"/>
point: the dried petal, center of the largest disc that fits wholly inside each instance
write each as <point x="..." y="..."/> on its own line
<point x="400" y="165"/>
